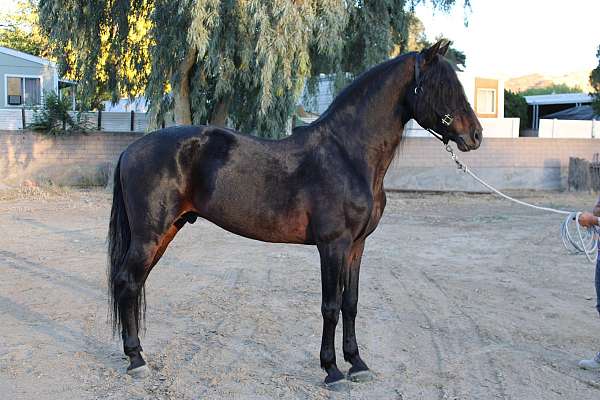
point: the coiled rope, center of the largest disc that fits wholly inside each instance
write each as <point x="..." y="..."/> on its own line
<point x="586" y="239"/>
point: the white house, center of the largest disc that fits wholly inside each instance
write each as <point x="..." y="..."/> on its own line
<point x="24" y="78"/>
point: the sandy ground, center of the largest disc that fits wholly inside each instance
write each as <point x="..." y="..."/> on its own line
<point x="462" y="297"/>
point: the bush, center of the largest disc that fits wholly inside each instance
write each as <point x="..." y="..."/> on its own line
<point x="515" y="106"/>
<point x="54" y="118"/>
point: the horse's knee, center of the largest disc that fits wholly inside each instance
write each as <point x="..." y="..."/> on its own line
<point x="330" y="312"/>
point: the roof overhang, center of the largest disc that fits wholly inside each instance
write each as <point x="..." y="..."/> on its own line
<point x="28" y="57"/>
<point x="562" y="98"/>
<point x="63" y="83"/>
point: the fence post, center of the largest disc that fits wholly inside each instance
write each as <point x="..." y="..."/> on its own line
<point x="132" y="120"/>
<point x="99" y="120"/>
<point x="23" y="118"/>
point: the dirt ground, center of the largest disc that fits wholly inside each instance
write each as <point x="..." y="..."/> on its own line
<point x="461" y="297"/>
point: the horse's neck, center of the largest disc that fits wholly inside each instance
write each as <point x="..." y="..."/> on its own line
<point x="370" y="131"/>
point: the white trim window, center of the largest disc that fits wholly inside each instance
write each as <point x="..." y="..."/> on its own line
<point x="23" y="90"/>
<point x="486" y="101"/>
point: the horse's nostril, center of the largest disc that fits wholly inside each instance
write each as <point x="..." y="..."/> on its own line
<point x="477" y="136"/>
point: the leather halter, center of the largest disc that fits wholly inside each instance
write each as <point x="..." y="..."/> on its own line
<point x="446" y="119"/>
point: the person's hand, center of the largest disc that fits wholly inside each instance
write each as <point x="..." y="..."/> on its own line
<point x="587" y="219"/>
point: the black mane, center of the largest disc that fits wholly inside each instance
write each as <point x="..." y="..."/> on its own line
<point x="363" y="84"/>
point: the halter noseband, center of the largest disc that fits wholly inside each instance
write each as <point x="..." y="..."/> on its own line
<point x="447" y="118"/>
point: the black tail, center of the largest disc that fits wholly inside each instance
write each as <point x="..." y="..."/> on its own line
<point x="119" y="239"/>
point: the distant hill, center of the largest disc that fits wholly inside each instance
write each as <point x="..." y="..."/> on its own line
<point x="579" y="78"/>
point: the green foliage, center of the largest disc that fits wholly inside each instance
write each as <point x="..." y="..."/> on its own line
<point x="552" y="89"/>
<point x="53" y="117"/>
<point x="595" y="82"/>
<point x="249" y="58"/>
<point x="515" y="106"/>
<point x="21" y="31"/>
<point x="417" y="41"/>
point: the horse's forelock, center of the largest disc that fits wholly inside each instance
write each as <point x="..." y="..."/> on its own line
<point x="442" y="88"/>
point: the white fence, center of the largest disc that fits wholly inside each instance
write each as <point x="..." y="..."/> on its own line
<point x="492" y="127"/>
<point x="12" y="119"/>
<point x="564" y="129"/>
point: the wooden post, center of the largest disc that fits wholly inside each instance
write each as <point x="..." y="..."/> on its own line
<point x="579" y="175"/>
<point x="23" y="117"/>
<point x="595" y="172"/>
<point x="99" y="120"/>
<point x="132" y="119"/>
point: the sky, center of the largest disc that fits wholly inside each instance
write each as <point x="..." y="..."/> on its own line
<point x="510" y="38"/>
<point x="518" y="37"/>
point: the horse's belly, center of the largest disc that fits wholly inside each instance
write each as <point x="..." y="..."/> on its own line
<point x="292" y="228"/>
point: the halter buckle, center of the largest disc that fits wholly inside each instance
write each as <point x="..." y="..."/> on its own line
<point x="447" y="120"/>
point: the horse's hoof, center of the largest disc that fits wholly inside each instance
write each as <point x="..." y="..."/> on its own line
<point x="341" y="385"/>
<point x="361" y="376"/>
<point x="336" y="381"/>
<point x="139" y="372"/>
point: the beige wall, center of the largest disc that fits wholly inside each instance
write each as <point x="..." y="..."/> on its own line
<point x="421" y="164"/>
<point x="518" y="163"/>
<point x="69" y="160"/>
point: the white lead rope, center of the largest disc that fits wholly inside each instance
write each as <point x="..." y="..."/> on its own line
<point x="585" y="242"/>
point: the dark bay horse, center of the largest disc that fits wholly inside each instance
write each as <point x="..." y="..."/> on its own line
<point x="322" y="186"/>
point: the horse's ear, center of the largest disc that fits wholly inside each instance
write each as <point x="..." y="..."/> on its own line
<point x="430" y="53"/>
<point x="444" y="49"/>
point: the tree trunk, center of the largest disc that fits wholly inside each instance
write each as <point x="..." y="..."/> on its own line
<point x="181" y="92"/>
<point x="220" y="113"/>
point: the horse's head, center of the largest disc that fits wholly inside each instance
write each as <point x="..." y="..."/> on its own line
<point x="437" y="100"/>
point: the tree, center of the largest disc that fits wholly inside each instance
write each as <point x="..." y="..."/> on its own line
<point x="554" y="88"/>
<point x="595" y="82"/>
<point x="21" y="30"/>
<point x="417" y="41"/>
<point x="515" y="106"/>
<point x="238" y="61"/>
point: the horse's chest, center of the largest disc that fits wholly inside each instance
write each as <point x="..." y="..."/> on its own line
<point x="379" y="201"/>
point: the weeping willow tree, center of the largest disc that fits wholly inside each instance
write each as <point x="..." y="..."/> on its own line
<point x="240" y="62"/>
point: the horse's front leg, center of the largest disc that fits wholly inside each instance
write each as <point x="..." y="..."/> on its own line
<point x="334" y="258"/>
<point x="359" y="370"/>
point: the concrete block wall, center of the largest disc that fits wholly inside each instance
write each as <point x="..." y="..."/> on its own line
<point x="420" y="164"/>
<point x="518" y="163"/>
<point x="67" y="160"/>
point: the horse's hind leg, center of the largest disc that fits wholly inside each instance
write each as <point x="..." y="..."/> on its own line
<point x="359" y="370"/>
<point x="141" y="257"/>
<point x="129" y="297"/>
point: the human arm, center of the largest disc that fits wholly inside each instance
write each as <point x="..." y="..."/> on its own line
<point x="587" y="219"/>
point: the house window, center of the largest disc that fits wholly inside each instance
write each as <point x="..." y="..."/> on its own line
<point x="23" y="91"/>
<point x="486" y="101"/>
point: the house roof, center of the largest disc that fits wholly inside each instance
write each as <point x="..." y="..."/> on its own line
<point x="580" y="113"/>
<point x="25" y="56"/>
<point x="561" y="98"/>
